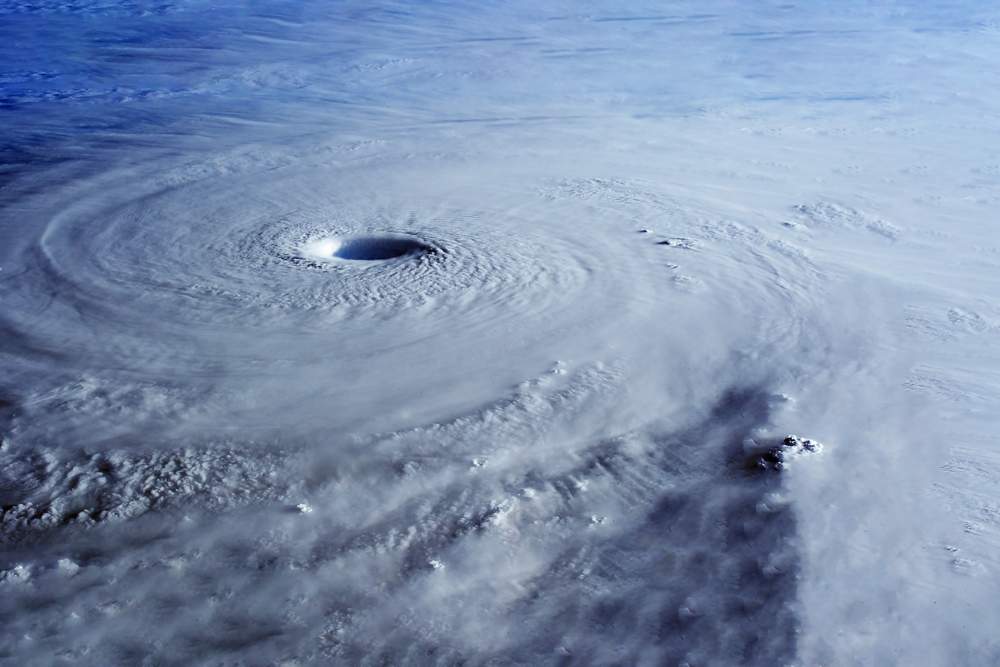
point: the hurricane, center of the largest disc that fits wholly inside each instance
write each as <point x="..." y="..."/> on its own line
<point x="444" y="333"/>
